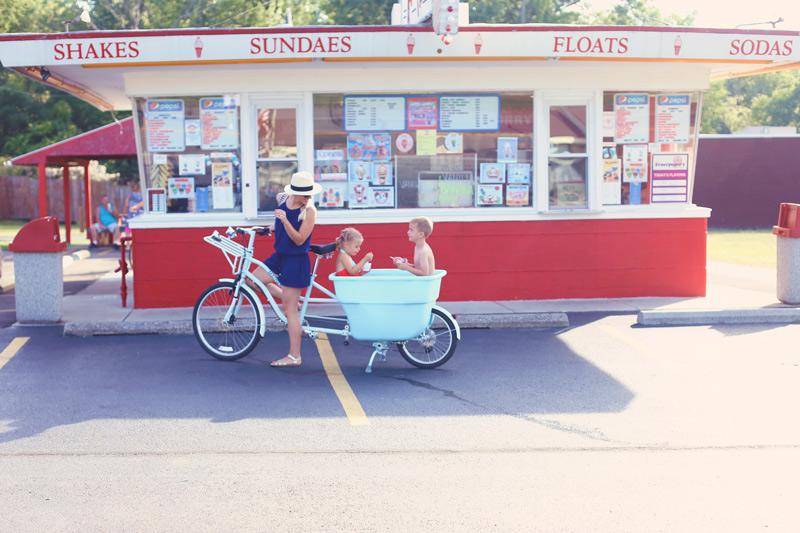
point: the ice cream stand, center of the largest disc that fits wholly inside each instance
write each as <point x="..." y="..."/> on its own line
<point x="555" y="161"/>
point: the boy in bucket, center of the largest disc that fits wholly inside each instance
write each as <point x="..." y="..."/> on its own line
<point x="419" y="229"/>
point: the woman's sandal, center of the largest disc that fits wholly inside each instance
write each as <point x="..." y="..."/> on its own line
<point x="289" y="360"/>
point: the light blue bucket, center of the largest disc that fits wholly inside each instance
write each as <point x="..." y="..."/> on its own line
<point x="386" y="303"/>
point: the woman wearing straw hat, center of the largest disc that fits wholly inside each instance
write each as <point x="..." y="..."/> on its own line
<point x="294" y="221"/>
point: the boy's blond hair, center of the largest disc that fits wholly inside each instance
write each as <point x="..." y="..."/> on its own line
<point x="424" y="224"/>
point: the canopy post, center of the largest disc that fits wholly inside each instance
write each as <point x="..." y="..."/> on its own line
<point x="87" y="198"/>
<point x="67" y="205"/>
<point x="42" y="190"/>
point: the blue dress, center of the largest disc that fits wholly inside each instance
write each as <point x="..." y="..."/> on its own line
<point x="290" y="261"/>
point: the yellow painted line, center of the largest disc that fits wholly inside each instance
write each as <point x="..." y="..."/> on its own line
<point x="11" y="350"/>
<point x="352" y="408"/>
<point x="638" y="346"/>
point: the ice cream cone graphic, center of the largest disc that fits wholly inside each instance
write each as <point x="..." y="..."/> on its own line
<point x="478" y="43"/>
<point x="410" y="43"/>
<point x="678" y="44"/>
<point x="198" y="47"/>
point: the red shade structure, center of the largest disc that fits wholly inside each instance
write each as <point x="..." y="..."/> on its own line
<point x="112" y="141"/>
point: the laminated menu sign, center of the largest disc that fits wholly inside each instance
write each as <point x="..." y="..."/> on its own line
<point x="332" y="195"/>
<point x="469" y="113"/>
<point x="219" y="119"/>
<point x="181" y="188"/>
<point x="374" y="113"/>
<point x="423" y="113"/>
<point x="164" y="123"/>
<point x="445" y="189"/>
<point x="517" y="194"/>
<point x="672" y="118"/>
<point x="632" y="118"/>
<point x="670" y="175"/>
<point x="612" y="185"/>
<point x="634" y="163"/>
<point x="369" y="147"/>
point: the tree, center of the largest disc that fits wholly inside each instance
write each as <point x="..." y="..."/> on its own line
<point x="639" y="13"/>
<point x="526" y="11"/>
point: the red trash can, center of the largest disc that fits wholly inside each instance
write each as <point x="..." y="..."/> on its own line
<point x="39" y="271"/>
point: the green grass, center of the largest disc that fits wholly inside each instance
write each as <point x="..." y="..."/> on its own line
<point x="743" y="247"/>
<point x="9" y="229"/>
<point x="747" y="247"/>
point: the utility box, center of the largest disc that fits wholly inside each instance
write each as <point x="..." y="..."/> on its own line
<point x="788" y="232"/>
<point x="39" y="271"/>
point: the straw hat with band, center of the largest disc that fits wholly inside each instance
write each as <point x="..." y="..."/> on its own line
<point x="302" y="184"/>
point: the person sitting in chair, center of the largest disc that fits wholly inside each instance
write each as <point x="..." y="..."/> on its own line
<point x="107" y="220"/>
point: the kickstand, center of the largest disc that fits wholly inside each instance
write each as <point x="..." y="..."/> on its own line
<point x="380" y="349"/>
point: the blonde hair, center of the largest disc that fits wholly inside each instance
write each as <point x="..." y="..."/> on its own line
<point x="424" y="224"/>
<point x="348" y="235"/>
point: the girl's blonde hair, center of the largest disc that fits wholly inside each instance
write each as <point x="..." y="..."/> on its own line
<point x="348" y="235"/>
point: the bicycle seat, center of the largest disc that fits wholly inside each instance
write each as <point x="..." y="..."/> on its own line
<point x="323" y="249"/>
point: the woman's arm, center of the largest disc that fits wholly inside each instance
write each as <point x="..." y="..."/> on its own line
<point x="299" y="237"/>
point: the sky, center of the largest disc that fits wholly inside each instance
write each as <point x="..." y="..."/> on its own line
<point x="726" y="14"/>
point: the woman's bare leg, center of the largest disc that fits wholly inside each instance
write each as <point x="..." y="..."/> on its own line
<point x="291" y="297"/>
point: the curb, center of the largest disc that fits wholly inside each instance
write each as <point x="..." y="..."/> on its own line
<point x="184" y="327"/>
<point x="710" y="317"/>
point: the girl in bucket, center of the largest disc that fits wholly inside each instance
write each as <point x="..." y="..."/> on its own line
<point x="349" y="244"/>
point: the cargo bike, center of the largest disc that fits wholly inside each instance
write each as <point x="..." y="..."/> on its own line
<point x="385" y="306"/>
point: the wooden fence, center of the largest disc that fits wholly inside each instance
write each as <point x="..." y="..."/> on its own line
<point x="19" y="197"/>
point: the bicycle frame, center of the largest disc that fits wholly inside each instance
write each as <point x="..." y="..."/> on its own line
<point x="241" y="270"/>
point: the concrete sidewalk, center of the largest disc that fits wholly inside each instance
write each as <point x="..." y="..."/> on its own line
<point x="735" y="294"/>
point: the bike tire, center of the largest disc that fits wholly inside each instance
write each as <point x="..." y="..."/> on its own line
<point x="434" y="346"/>
<point x="230" y="340"/>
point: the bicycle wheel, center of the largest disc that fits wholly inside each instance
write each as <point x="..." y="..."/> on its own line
<point x="434" y="346"/>
<point x="230" y="339"/>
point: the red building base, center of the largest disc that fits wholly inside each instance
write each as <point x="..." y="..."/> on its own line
<point x="537" y="260"/>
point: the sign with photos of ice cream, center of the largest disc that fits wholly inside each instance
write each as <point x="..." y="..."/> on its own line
<point x="369" y="147"/>
<point x="634" y="163"/>
<point x="518" y="194"/>
<point x="360" y="172"/>
<point x="382" y="174"/>
<point x="330" y="165"/>
<point x="180" y="187"/>
<point x="489" y="194"/>
<point x="381" y="196"/>
<point x="493" y="173"/>
<point x="192" y="164"/>
<point x="423" y="112"/>
<point x="518" y="173"/>
<point x="357" y="195"/>
<point x="507" y="150"/>
<point x="332" y="195"/>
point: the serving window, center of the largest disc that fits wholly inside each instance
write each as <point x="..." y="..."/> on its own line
<point x="648" y="147"/>
<point x="443" y="150"/>
<point x="190" y="153"/>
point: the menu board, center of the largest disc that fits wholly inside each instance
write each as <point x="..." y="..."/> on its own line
<point x="632" y="118"/>
<point x="672" y="118"/>
<point x="469" y="113"/>
<point x="164" y="122"/>
<point x="219" y="119"/>
<point x="374" y="113"/>
<point x="670" y="174"/>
